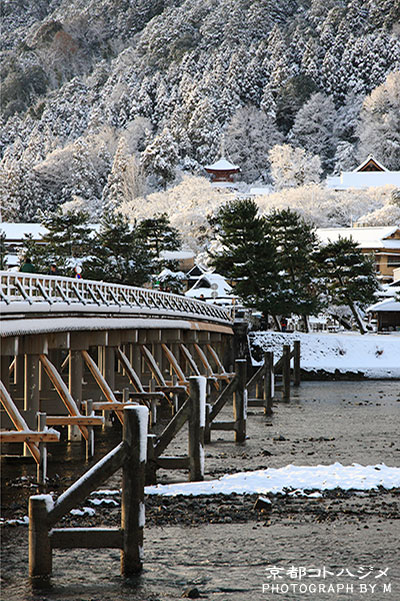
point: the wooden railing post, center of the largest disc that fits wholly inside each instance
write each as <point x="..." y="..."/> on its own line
<point x="40" y="559"/>
<point x="133" y="480"/>
<point x="269" y="382"/>
<point x="296" y="363"/>
<point x="197" y="421"/>
<point x="286" y="372"/>
<point x="240" y="401"/>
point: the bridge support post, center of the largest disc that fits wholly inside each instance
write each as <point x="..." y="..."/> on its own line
<point x="31" y="389"/>
<point x="75" y="377"/>
<point x="4" y="368"/>
<point x="19" y="376"/>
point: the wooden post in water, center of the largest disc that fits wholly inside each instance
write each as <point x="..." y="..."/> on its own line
<point x="40" y="560"/>
<point x="296" y="363"/>
<point x="269" y="382"/>
<point x="207" y="431"/>
<point x="286" y="372"/>
<point x="197" y="421"/>
<point x="90" y="439"/>
<point x="41" y="470"/>
<point x="153" y="404"/>
<point x="240" y="401"/>
<point x="133" y="480"/>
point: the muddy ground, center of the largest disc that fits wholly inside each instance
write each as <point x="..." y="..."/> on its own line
<point x="221" y="547"/>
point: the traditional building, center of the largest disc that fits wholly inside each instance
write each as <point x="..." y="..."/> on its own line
<point x="382" y="242"/>
<point x="222" y="173"/>
<point x="371" y="173"/>
<point x="387" y="313"/>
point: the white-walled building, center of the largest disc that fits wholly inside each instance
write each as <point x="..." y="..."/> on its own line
<point x="371" y="173"/>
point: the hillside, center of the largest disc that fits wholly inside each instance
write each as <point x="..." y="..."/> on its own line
<point x="106" y="101"/>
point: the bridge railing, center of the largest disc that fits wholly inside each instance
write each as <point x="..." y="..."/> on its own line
<point x="32" y="293"/>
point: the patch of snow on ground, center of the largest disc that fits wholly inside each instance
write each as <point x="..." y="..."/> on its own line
<point x="374" y="355"/>
<point x="320" y="477"/>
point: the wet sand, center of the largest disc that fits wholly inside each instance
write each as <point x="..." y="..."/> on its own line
<point x="223" y="546"/>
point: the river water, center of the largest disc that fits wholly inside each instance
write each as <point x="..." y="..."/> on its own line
<point x="323" y="423"/>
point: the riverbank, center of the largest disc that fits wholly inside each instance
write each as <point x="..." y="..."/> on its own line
<point x="336" y="356"/>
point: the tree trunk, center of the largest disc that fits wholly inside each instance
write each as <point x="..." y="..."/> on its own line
<point x="277" y="323"/>
<point x="306" y="324"/>
<point x="357" y="318"/>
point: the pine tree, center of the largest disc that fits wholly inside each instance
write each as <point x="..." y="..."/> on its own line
<point x="117" y="254"/>
<point x="247" y="257"/>
<point x="65" y="244"/>
<point x="157" y="234"/>
<point x="348" y="276"/>
<point x="295" y="243"/>
<point x="3" y="251"/>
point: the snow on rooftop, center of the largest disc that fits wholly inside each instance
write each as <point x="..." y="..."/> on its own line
<point x="17" y="231"/>
<point x="209" y="283"/>
<point x="366" y="237"/>
<point x="389" y="304"/>
<point x="222" y="165"/>
<point x="176" y="255"/>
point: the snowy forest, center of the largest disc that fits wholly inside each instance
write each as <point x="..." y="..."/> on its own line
<point x="117" y="105"/>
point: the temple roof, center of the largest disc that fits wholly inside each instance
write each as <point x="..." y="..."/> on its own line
<point x="370" y="164"/>
<point x="222" y="165"/>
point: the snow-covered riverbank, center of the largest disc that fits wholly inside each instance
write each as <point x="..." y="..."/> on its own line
<point x="371" y="355"/>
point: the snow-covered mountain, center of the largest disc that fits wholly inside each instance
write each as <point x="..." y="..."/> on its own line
<point x="105" y="101"/>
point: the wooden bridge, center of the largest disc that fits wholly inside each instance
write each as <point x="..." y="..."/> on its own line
<point x="64" y="341"/>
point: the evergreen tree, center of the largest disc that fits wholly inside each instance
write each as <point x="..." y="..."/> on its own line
<point x="65" y="243"/>
<point x="247" y="257"/>
<point x="313" y="128"/>
<point x="160" y="157"/>
<point x="295" y="243"/>
<point x="117" y="254"/>
<point x="249" y="136"/>
<point x="348" y="276"/>
<point x="157" y="234"/>
<point x="3" y="251"/>
<point x="379" y="128"/>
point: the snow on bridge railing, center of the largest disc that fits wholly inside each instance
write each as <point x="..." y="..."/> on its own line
<point x="36" y="293"/>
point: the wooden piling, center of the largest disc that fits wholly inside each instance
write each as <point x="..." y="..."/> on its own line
<point x="90" y="439"/>
<point x="296" y="363"/>
<point x="197" y="420"/>
<point x="40" y="559"/>
<point x="269" y="382"/>
<point x="41" y="469"/>
<point x="240" y="401"/>
<point x="133" y="480"/>
<point x="286" y="372"/>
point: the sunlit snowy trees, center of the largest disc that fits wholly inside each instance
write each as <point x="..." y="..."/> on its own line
<point x="379" y="128"/>
<point x="293" y="167"/>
